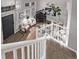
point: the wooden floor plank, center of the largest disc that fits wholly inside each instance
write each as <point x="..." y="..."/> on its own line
<point x="56" y="51"/>
<point x="30" y="34"/>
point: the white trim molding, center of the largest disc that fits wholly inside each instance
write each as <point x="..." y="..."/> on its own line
<point x="69" y="8"/>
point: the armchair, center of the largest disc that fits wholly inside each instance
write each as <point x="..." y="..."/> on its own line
<point x="24" y="26"/>
<point x="32" y="21"/>
<point x="26" y="23"/>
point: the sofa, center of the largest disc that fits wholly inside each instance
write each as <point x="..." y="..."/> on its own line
<point x="27" y="23"/>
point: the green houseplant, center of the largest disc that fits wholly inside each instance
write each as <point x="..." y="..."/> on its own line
<point x="55" y="10"/>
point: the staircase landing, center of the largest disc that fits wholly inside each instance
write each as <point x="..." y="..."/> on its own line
<point x="56" y="51"/>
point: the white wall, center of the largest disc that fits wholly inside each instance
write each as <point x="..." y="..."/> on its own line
<point x="73" y="27"/>
<point x="7" y="2"/>
<point x="20" y="7"/>
<point x="42" y="4"/>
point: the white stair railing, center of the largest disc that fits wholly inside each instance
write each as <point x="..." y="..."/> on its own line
<point x="54" y="30"/>
<point x="38" y="45"/>
<point x="35" y="49"/>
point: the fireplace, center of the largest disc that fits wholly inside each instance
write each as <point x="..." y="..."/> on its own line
<point x="7" y="26"/>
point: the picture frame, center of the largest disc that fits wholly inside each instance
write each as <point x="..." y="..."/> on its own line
<point x="27" y="4"/>
<point x="33" y="3"/>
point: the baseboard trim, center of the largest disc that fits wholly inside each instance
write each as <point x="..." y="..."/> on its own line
<point x="71" y="49"/>
<point x="65" y="46"/>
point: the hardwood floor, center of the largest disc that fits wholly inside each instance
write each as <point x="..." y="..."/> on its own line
<point x="19" y="36"/>
<point x="55" y="51"/>
<point x="29" y="35"/>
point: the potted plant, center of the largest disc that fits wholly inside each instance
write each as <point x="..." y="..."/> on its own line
<point x="55" y="10"/>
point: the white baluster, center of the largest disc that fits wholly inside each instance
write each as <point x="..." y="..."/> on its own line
<point x="38" y="51"/>
<point x="23" y="54"/>
<point x="15" y="54"/>
<point x="3" y="56"/>
<point x="44" y="49"/>
<point x="51" y="29"/>
<point x="58" y="35"/>
<point x="35" y="52"/>
<point x="28" y="52"/>
<point x="32" y="51"/>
